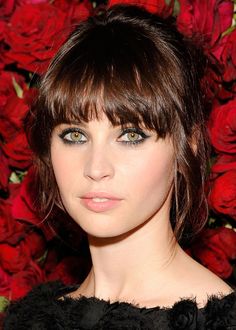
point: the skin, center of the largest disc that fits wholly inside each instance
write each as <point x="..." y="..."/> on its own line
<point x="134" y="253"/>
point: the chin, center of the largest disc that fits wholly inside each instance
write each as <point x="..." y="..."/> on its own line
<point x="103" y="229"/>
<point x="103" y="233"/>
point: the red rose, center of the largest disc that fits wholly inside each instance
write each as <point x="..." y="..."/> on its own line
<point x="227" y="240"/>
<point x="14" y="189"/>
<point x="7" y="90"/>
<point x="3" y="49"/>
<point x="5" y="280"/>
<point x="36" y="244"/>
<point x="207" y="19"/>
<point x="214" y="248"/>
<point x="222" y="238"/>
<point x="76" y="11"/>
<point x="158" y="7"/>
<point x="12" y="111"/>
<point x="223" y="194"/>
<point x="224" y="163"/>
<point x="2" y="29"/>
<point x="12" y="116"/>
<point x="34" y="34"/>
<point x="11" y="230"/>
<point x="222" y="127"/>
<point x="214" y="259"/>
<point x="23" y="204"/>
<point x="14" y="258"/>
<point x="211" y="84"/>
<point x="6" y="7"/>
<point x="24" y="208"/>
<point x="225" y="52"/>
<point x="25" y="280"/>
<point x="70" y="270"/>
<point x="4" y="171"/>
<point x="2" y="55"/>
<point x="26" y="2"/>
<point x="18" y="151"/>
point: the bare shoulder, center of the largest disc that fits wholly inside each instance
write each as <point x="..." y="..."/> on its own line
<point x="201" y="283"/>
<point x="211" y="283"/>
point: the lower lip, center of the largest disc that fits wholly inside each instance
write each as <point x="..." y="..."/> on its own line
<point x="100" y="206"/>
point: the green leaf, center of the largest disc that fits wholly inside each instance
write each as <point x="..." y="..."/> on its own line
<point x="4" y="302"/>
<point x="229" y="30"/>
<point x="228" y="225"/>
<point x="176" y="8"/>
<point x="42" y="259"/>
<point x="17" y="176"/>
<point x="211" y="221"/>
<point x="14" y="178"/>
<point x="18" y="89"/>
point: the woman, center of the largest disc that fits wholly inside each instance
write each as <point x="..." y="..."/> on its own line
<point x="118" y="132"/>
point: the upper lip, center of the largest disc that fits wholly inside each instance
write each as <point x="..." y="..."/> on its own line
<point x="100" y="195"/>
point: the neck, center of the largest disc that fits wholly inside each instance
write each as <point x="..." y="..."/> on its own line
<point x="132" y="264"/>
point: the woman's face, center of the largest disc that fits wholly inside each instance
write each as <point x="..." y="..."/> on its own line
<point x="112" y="179"/>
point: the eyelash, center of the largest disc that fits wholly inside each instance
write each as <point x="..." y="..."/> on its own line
<point x="125" y="131"/>
<point x="137" y="131"/>
<point x="68" y="131"/>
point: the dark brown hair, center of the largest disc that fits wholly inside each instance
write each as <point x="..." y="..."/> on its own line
<point x="136" y="68"/>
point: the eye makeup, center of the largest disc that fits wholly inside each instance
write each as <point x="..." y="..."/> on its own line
<point x="73" y="135"/>
<point x="129" y="136"/>
<point x="133" y="135"/>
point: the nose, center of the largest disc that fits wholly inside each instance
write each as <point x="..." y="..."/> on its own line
<point x="98" y="165"/>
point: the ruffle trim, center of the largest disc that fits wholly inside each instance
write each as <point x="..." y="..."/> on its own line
<point x="42" y="309"/>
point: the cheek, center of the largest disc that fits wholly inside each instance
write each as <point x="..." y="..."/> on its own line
<point x="63" y="166"/>
<point x="150" y="174"/>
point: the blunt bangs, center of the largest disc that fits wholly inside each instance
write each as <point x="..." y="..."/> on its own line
<point x="114" y="70"/>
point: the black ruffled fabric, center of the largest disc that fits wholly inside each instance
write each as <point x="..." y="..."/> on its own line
<point x="41" y="309"/>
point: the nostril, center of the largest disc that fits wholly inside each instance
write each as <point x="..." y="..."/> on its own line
<point x="98" y="171"/>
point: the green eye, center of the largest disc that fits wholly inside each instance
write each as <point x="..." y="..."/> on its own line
<point x="132" y="136"/>
<point x="75" y="136"/>
<point x="72" y="135"/>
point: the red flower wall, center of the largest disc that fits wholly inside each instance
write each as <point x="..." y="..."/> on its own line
<point x="30" y="33"/>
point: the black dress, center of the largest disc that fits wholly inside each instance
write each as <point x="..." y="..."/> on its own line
<point x="41" y="309"/>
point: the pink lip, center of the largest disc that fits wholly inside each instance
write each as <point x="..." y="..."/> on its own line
<point x="90" y="204"/>
<point x="100" y="195"/>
